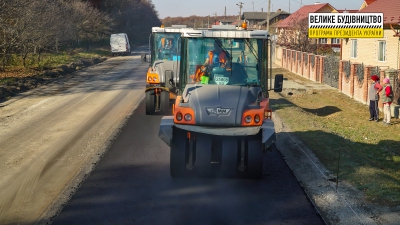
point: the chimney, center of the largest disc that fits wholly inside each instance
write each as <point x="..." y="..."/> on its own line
<point x="279" y="10"/>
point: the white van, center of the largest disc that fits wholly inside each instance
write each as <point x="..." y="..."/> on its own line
<point x="120" y="44"/>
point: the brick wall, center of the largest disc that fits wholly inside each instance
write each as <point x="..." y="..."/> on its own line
<point x="310" y="66"/>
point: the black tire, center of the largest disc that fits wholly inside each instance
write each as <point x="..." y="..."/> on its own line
<point x="254" y="159"/>
<point x="229" y="162"/>
<point x="177" y="162"/>
<point x="150" y="103"/>
<point x="203" y="154"/>
<point x="164" y="103"/>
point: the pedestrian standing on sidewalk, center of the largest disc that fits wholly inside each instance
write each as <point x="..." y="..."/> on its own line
<point x="373" y="93"/>
<point x="387" y="98"/>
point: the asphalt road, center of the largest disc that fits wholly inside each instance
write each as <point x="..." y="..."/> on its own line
<point x="51" y="137"/>
<point x="132" y="185"/>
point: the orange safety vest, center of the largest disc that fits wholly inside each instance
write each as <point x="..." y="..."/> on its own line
<point x="162" y="42"/>
<point x="221" y="57"/>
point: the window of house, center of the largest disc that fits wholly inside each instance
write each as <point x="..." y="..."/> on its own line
<point x="335" y="41"/>
<point x="354" y="48"/>
<point x="323" y="40"/>
<point x="381" y="50"/>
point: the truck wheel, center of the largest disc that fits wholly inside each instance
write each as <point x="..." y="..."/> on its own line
<point x="150" y="103"/>
<point x="164" y="103"/>
<point x="229" y="162"/>
<point x="254" y="159"/>
<point x="177" y="162"/>
<point x="203" y="154"/>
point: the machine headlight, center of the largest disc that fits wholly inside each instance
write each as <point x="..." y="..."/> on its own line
<point x="257" y="118"/>
<point x="188" y="117"/>
<point x="179" y="116"/>
<point x="247" y="119"/>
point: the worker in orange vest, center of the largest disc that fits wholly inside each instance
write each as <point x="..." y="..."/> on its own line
<point x="216" y="57"/>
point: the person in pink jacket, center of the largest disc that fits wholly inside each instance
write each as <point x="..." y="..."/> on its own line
<point x="387" y="98"/>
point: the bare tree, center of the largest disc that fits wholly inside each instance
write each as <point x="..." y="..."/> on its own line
<point x="28" y="26"/>
<point x="92" y="25"/>
<point x="135" y="17"/>
<point x="295" y="36"/>
<point x="9" y="10"/>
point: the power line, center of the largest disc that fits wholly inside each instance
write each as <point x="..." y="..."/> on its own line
<point x="301" y="2"/>
<point x="261" y="2"/>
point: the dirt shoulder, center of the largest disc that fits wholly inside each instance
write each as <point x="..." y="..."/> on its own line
<point x="306" y="115"/>
<point x="16" y="82"/>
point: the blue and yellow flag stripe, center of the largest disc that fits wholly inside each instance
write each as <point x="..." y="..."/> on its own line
<point x="347" y="32"/>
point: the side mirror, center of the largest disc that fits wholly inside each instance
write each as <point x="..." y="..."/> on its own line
<point x="278" y="83"/>
<point x="143" y="56"/>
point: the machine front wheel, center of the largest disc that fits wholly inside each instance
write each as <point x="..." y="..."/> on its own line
<point x="203" y="154"/>
<point x="229" y="161"/>
<point x="254" y="159"/>
<point x="178" y="153"/>
<point x="164" y="103"/>
<point x="150" y="102"/>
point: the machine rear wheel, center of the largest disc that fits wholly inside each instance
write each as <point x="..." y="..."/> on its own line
<point x="177" y="162"/>
<point x="254" y="159"/>
<point x="229" y="162"/>
<point x="203" y="154"/>
<point x="150" y="102"/>
<point x="164" y="103"/>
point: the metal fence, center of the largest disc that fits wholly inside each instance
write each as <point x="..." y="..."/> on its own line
<point x="396" y="88"/>
<point x="376" y="71"/>
<point x="331" y="71"/>
<point x="347" y="68"/>
<point x="360" y="72"/>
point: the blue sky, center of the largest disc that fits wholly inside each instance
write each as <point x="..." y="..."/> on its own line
<point x="185" y="8"/>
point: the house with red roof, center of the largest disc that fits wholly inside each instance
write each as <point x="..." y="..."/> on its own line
<point x="381" y="52"/>
<point x="366" y="3"/>
<point x="292" y="32"/>
<point x="258" y="20"/>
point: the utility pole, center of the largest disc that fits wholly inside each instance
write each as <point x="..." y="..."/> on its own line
<point x="240" y="4"/>
<point x="269" y="9"/>
<point x="208" y="24"/>
<point x="289" y="6"/>
<point x="225" y="14"/>
<point x="215" y="18"/>
<point x="253" y="5"/>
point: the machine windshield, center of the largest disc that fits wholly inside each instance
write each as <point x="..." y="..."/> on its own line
<point x="222" y="61"/>
<point x="165" y="46"/>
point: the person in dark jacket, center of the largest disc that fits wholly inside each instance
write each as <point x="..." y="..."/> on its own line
<point x="373" y="93"/>
<point x="387" y="98"/>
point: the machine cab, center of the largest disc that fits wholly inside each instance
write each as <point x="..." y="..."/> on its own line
<point x="224" y="56"/>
